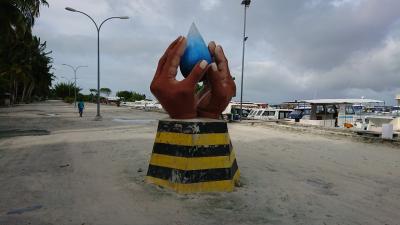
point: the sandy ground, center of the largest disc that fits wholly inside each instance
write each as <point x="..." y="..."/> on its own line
<point x="91" y="172"/>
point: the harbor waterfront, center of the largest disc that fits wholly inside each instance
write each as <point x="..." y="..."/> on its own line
<point x="199" y="112"/>
<point x="57" y="168"/>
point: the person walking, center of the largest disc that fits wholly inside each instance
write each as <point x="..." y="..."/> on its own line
<point x="81" y="106"/>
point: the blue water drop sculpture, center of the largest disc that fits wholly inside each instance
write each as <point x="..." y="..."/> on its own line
<point x="196" y="50"/>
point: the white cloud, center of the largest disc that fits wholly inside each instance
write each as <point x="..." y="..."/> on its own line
<point x="296" y="49"/>
<point x="209" y="4"/>
<point x="343" y="3"/>
<point x="377" y="69"/>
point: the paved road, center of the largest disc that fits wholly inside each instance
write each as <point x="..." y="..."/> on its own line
<point x="80" y="171"/>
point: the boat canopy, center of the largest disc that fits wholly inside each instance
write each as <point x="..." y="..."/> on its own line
<point x="341" y="101"/>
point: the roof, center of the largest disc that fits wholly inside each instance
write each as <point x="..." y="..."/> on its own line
<point x="341" y="101"/>
<point x="111" y="98"/>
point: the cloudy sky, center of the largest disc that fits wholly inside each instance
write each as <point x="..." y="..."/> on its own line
<point x="297" y="49"/>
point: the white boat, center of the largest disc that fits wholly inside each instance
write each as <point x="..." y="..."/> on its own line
<point x="269" y="114"/>
<point x="275" y="114"/>
<point x="253" y="113"/>
<point x="143" y="104"/>
<point x="336" y="112"/>
<point x="232" y="111"/>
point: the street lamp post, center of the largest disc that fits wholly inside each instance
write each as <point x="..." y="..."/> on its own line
<point x="98" y="116"/>
<point x="246" y="4"/>
<point x="74" y="69"/>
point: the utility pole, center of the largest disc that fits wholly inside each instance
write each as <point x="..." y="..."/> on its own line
<point x="246" y="4"/>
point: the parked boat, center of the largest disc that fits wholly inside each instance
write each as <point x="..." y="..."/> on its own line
<point x="269" y="114"/>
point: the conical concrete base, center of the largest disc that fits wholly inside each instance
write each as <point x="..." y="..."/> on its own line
<point x="193" y="156"/>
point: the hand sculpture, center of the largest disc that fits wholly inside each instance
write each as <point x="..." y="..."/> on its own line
<point x="179" y="98"/>
<point x="219" y="88"/>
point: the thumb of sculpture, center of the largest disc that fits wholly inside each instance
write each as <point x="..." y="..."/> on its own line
<point x="197" y="73"/>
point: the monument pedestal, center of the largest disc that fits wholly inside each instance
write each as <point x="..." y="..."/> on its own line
<point x="192" y="156"/>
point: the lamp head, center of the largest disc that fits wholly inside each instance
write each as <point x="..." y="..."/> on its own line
<point x="246" y="3"/>
<point x="124" y="17"/>
<point x="70" y="9"/>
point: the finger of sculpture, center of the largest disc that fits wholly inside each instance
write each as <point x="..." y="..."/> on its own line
<point x="197" y="73"/>
<point x="177" y="97"/>
<point x="211" y="48"/>
<point x="221" y="60"/>
<point x="173" y="58"/>
<point x="163" y="58"/>
<point x="220" y="87"/>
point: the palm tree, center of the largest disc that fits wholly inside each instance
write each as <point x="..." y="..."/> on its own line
<point x="63" y="90"/>
<point x="18" y="16"/>
<point x="93" y="91"/>
<point x="24" y="63"/>
<point x="106" y="91"/>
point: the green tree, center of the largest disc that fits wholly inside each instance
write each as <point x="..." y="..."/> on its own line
<point x="24" y="62"/>
<point x="93" y="94"/>
<point x="18" y="17"/>
<point x="93" y="91"/>
<point x="199" y="87"/>
<point x="106" y="91"/>
<point x="63" y="90"/>
<point x="130" y="96"/>
<point x="124" y="95"/>
<point x="137" y="96"/>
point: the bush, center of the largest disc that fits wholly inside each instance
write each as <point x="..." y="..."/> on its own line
<point x="69" y="100"/>
<point x="86" y="98"/>
<point x="64" y="90"/>
<point x="130" y="96"/>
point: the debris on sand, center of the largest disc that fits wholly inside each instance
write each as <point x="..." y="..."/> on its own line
<point x="26" y="209"/>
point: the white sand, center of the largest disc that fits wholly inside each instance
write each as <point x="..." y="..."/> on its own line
<point x="86" y="172"/>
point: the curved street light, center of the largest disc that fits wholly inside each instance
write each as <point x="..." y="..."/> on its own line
<point x="74" y="69"/>
<point x="98" y="116"/>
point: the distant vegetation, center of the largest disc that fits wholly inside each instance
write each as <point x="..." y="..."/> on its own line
<point x="63" y="90"/>
<point x="130" y="96"/>
<point x="25" y="63"/>
<point x="106" y="91"/>
<point x="93" y="91"/>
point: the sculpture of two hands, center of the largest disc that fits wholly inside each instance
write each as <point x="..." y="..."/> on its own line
<point x="179" y="98"/>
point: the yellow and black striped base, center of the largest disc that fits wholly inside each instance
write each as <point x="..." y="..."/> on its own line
<point x="193" y="156"/>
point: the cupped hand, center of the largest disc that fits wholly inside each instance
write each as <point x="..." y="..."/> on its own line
<point x="177" y="97"/>
<point x="219" y="88"/>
